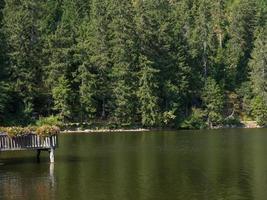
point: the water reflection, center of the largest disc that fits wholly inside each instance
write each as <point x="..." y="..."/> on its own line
<point x="27" y="182"/>
<point x="51" y="175"/>
<point x="157" y="166"/>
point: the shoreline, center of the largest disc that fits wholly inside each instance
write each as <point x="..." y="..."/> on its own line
<point x="106" y="130"/>
<point x="245" y="125"/>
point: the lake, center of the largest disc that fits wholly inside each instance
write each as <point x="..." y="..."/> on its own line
<point x="228" y="164"/>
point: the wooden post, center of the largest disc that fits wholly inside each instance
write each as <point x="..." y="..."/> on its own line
<point x="52" y="155"/>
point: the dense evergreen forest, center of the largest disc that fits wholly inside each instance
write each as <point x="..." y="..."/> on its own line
<point x="152" y="63"/>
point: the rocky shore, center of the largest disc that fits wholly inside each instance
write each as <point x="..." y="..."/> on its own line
<point x="244" y="124"/>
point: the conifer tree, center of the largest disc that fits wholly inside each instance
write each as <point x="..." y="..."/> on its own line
<point x="3" y="58"/>
<point x="201" y="38"/>
<point x="3" y="95"/>
<point x="21" y="30"/>
<point x="258" y="76"/>
<point x="218" y="23"/>
<point x="212" y="97"/>
<point x="124" y="59"/>
<point x="147" y="93"/>
<point x="162" y="42"/>
<point x="242" y="24"/>
<point x="132" y="61"/>
<point x="62" y="97"/>
<point x="95" y="62"/>
<point x="259" y="110"/>
<point x="258" y="64"/>
<point x="63" y="66"/>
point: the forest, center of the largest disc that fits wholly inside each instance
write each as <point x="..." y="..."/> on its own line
<point x="147" y="63"/>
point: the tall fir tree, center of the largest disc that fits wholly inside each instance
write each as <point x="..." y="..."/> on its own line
<point x="131" y="61"/>
<point x="95" y="68"/>
<point x="218" y="23"/>
<point x="147" y="94"/>
<point x="258" y="76"/>
<point x="63" y="64"/>
<point x="24" y="50"/>
<point x="3" y="96"/>
<point x="213" y="106"/>
<point x="124" y="59"/>
<point x="201" y="38"/>
<point x="258" y="63"/>
<point x="240" y="32"/>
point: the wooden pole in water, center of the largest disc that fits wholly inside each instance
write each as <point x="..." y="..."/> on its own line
<point x="52" y="155"/>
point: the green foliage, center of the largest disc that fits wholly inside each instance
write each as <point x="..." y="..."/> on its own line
<point x="258" y="63"/>
<point x="94" y="69"/>
<point x="123" y="58"/>
<point x="147" y="93"/>
<point x="168" y="117"/>
<point x="51" y="121"/>
<point x="259" y="110"/>
<point x="21" y="131"/>
<point x="258" y="77"/>
<point x="245" y="95"/>
<point x="47" y="130"/>
<point x="21" y="30"/>
<point x="232" y="121"/>
<point x="132" y="62"/>
<point x="62" y="94"/>
<point x="15" y="131"/>
<point x="212" y="97"/>
<point x="195" y="121"/>
<point x="4" y="97"/>
<point x="241" y="28"/>
<point x="87" y="91"/>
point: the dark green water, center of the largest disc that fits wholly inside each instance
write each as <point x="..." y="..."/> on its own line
<point x="186" y="165"/>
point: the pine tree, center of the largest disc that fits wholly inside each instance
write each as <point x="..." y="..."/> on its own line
<point x="62" y="97"/>
<point x="3" y="87"/>
<point x="259" y="110"/>
<point x="258" y="64"/>
<point x="3" y="56"/>
<point x="147" y="93"/>
<point x="132" y="61"/>
<point x="258" y="76"/>
<point x="201" y="38"/>
<point x="94" y="55"/>
<point x="176" y="72"/>
<point x="124" y="60"/>
<point x="242" y="24"/>
<point x="218" y="23"/>
<point x="87" y="92"/>
<point x="21" y="30"/>
<point x="212" y="97"/>
<point x="61" y="50"/>
<point x="4" y="99"/>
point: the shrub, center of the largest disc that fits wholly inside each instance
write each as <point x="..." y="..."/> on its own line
<point x="195" y="121"/>
<point x="51" y="121"/>
<point x="213" y="100"/>
<point x="232" y="121"/>
<point x="168" y="117"/>
<point x="259" y="110"/>
<point x="47" y="130"/>
<point x="20" y="131"/>
<point x="15" y="131"/>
